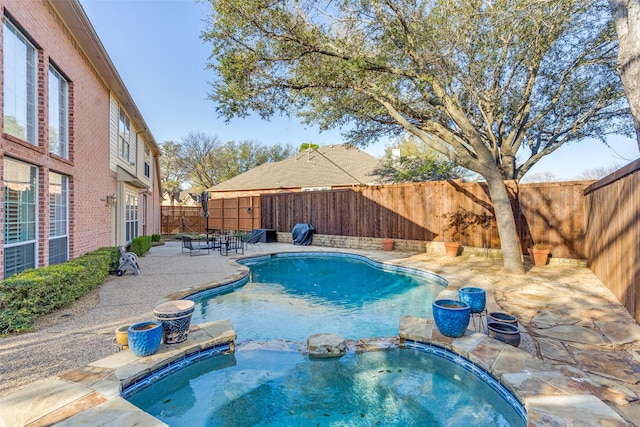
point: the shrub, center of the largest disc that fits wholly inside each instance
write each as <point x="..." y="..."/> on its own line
<point x="141" y="245"/>
<point x="34" y="292"/>
<point x="155" y="238"/>
<point x="113" y="256"/>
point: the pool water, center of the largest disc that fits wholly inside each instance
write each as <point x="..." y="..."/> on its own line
<point x="292" y="297"/>
<point x="400" y="387"/>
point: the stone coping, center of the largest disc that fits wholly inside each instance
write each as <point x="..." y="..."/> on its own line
<point x="92" y="395"/>
<point x="551" y="396"/>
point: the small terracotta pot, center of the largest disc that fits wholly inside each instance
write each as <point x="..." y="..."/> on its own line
<point x="387" y="244"/>
<point x="451" y="249"/>
<point x="539" y="256"/>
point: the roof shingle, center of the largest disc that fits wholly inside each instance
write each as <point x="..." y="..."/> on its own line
<point x="328" y="166"/>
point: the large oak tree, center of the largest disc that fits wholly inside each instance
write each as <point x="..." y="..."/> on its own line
<point x="494" y="85"/>
<point x="626" y="15"/>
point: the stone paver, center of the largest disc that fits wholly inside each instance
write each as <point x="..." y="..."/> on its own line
<point x="579" y="364"/>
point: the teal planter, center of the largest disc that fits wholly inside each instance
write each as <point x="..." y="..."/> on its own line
<point x="475" y="297"/>
<point x="144" y="338"/>
<point x="451" y="317"/>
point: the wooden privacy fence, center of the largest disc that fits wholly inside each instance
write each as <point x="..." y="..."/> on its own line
<point x="551" y="213"/>
<point x="613" y="234"/>
<point x="240" y="214"/>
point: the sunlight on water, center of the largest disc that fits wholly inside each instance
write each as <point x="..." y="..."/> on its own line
<point x="389" y="388"/>
<point x="293" y="297"/>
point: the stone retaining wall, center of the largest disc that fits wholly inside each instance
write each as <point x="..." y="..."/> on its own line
<point x="431" y="248"/>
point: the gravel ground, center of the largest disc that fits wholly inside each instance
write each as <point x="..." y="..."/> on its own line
<point x="84" y="332"/>
<point x="77" y="335"/>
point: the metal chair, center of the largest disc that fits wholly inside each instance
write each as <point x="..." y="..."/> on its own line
<point x="192" y="246"/>
<point x="228" y="243"/>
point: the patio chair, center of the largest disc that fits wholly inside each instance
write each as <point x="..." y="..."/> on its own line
<point x="231" y="243"/>
<point x="128" y="261"/>
<point x="193" y="246"/>
<point x="255" y="238"/>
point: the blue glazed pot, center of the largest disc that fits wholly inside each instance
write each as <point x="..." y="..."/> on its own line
<point x="475" y="297"/>
<point x="451" y="317"/>
<point x="144" y="338"/>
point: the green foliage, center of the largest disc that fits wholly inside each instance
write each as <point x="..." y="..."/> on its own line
<point x="31" y="293"/>
<point x="141" y="245"/>
<point x="493" y="86"/>
<point x="155" y="238"/>
<point x="307" y="145"/>
<point x="417" y="163"/>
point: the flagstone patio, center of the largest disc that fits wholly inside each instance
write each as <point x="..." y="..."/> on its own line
<point x="578" y="362"/>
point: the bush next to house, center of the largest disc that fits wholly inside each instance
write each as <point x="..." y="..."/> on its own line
<point x="31" y="293"/>
<point x="155" y="238"/>
<point x="141" y="245"/>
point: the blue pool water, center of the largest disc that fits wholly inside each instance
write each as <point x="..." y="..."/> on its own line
<point x="291" y="297"/>
<point x="387" y="388"/>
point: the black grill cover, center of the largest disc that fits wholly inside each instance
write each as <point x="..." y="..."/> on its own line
<point x="302" y="234"/>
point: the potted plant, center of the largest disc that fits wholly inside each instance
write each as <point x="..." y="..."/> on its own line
<point x="539" y="253"/>
<point x="144" y="338"/>
<point x="387" y="244"/>
<point x="451" y="316"/>
<point x="475" y="297"/>
<point x="459" y="223"/>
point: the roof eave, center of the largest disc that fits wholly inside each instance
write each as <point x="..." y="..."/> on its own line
<point x="83" y="32"/>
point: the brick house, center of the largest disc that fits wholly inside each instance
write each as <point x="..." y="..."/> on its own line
<point x="78" y="162"/>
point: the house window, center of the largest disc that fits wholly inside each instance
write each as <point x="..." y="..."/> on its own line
<point x="58" y="218"/>
<point x="58" y="113"/>
<point x="20" y="85"/>
<point x="131" y="221"/>
<point x="20" y="213"/>
<point x="144" y="215"/>
<point x="124" y="132"/>
<point x="147" y="162"/>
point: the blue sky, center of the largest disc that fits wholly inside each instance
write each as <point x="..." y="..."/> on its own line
<point x="156" y="47"/>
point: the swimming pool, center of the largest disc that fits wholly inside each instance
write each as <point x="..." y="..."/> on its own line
<point x="292" y="296"/>
<point x="400" y="387"/>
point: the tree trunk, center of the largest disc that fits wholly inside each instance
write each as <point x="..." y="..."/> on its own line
<point x="626" y="15"/>
<point x="509" y="243"/>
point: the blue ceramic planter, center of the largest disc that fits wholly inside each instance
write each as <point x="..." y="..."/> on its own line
<point x="144" y="338"/>
<point x="475" y="297"/>
<point x="451" y="317"/>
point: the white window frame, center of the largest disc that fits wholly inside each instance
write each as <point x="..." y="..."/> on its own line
<point x="20" y="80"/>
<point x="58" y="114"/>
<point x="131" y="216"/>
<point x="124" y="136"/>
<point x="147" y="162"/>
<point x="20" y="213"/>
<point x="58" y="212"/>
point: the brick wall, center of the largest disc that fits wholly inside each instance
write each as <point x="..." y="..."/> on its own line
<point x="90" y="179"/>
